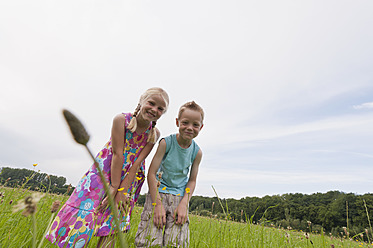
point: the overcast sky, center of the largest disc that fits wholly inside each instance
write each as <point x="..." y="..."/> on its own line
<point x="287" y="86"/>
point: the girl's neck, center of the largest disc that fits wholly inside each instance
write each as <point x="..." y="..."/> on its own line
<point x="141" y="123"/>
<point x="182" y="142"/>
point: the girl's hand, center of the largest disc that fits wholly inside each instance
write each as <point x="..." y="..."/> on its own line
<point x="112" y="191"/>
<point x="121" y="201"/>
<point x="159" y="216"/>
<point x="181" y="214"/>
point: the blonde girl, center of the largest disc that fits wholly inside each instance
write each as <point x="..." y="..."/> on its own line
<point x="86" y="212"/>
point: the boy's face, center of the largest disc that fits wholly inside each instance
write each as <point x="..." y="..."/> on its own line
<point x="189" y="124"/>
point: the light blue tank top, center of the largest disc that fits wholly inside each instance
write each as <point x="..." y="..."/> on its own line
<point x="175" y="166"/>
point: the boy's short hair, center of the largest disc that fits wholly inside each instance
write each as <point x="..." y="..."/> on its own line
<point x="192" y="106"/>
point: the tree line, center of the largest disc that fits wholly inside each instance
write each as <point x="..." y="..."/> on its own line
<point x="15" y="177"/>
<point x="334" y="212"/>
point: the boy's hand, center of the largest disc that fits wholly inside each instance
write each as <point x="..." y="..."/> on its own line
<point x="159" y="216"/>
<point x="181" y="214"/>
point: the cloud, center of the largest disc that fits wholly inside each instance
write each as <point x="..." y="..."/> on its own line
<point x="367" y="105"/>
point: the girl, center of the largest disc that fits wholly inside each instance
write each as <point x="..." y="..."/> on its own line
<point x="86" y="212"/>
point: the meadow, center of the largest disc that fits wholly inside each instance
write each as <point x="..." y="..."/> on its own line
<point x="17" y="230"/>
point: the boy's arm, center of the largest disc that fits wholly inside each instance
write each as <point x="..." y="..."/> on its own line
<point x="159" y="212"/>
<point x="182" y="209"/>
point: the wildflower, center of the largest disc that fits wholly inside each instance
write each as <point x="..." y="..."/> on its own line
<point x="138" y="178"/>
<point x="160" y="175"/>
<point x="306" y="235"/>
<point x="76" y="127"/>
<point x="121" y="189"/>
<point x="34" y="165"/>
<point x="154" y="203"/>
<point x="55" y="206"/>
<point x="8" y="179"/>
<point x="178" y="194"/>
<point x="28" y="205"/>
<point x="187" y="190"/>
<point x="125" y="193"/>
<point x="309" y="223"/>
<point x="164" y="188"/>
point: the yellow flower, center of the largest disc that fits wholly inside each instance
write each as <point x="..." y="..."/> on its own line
<point x="178" y="194"/>
<point x="138" y="178"/>
<point x="164" y="188"/>
<point x="125" y="193"/>
<point x="187" y="190"/>
<point x="34" y="165"/>
<point x="154" y="203"/>
<point x="121" y="189"/>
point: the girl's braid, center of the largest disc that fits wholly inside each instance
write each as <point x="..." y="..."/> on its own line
<point x="133" y="123"/>
<point x="152" y="137"/>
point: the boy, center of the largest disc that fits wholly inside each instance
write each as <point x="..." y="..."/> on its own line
<point x="169" y="197"/>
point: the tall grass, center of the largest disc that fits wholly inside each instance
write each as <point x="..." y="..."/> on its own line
<point x="17" y="231"/>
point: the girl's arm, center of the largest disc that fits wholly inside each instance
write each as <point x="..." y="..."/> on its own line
<point x="117" y="142"/>
<point x="182" y="209"/>
<point x="116" y="175"/>
<point x="130" y="178"/>
<point x="159" y="212"/>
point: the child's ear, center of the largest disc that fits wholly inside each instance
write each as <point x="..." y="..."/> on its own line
<point x="177" y="122"/>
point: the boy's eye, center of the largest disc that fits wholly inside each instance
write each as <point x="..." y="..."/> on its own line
<point x="151" y="103"/>
<point x="161" y="109"/>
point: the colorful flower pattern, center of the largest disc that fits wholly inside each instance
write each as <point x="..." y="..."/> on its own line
<point x="79" y="219"/>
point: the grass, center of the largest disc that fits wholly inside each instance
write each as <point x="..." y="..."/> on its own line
<point x="17" y="230"/>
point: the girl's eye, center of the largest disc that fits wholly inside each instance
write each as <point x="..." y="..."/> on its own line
<point x="152" y="103"/>
<point x="161" y="109"/>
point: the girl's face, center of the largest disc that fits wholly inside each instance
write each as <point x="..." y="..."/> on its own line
<point x="153" y="108"/>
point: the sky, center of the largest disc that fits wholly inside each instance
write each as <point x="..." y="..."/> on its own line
<point x="286" y="86"/>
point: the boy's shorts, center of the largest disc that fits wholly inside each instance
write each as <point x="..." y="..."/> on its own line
<point x="173" y="235"/>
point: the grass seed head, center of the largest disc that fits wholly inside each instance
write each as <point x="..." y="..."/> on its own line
<point x="28" y="205"/>
<point x="55" y="206"/>
<point x="76" y="127"/>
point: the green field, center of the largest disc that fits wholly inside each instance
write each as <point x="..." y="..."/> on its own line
<point x="18" y="231"/>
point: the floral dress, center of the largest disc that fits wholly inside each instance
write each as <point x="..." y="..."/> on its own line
<point x="79" y="218"/>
